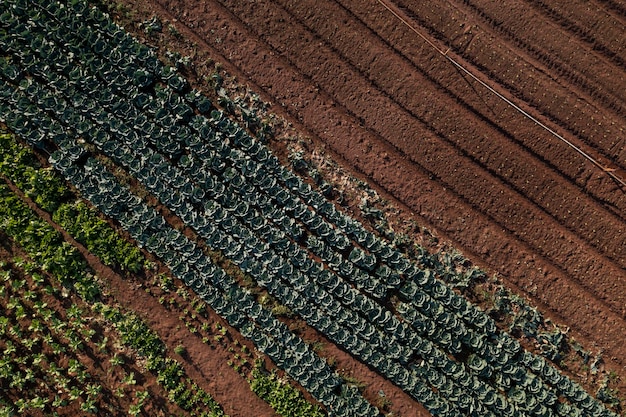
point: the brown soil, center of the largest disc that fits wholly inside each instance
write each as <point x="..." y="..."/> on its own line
<point x="208" y="367"/>
<point x="95" y="361"/>
<point x="515" y="199"/>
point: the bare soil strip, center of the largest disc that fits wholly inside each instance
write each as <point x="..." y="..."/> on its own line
<point x="576" y="61"/>
<point x="207" y="367"/>
<point x="541" y="86"/>
<point x="616" y="6"/>
<point x="555" y="265"/>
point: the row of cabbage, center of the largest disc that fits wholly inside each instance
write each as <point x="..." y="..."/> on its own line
<point x="282" y="346"/>
<point x="274" y="338"/>
<point x="221" y="292"/>
<point x="246" y="184"/>
<point x="229" y="246"/>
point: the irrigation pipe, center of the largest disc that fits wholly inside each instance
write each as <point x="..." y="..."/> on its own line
<point x="591" y="159"/>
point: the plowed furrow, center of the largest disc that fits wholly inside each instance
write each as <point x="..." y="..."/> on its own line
<point x="601" y="30"/>
<point x="408" y="44"/>
<point x="438" y="206"/>
<point x="464" y="120"/>
<point x="498" y="200"/>
<point x="618" y="7"/>
<point x="575" y="61"/>
<point x="528" y="79"/>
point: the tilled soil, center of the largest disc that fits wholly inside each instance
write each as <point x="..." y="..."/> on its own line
<point x="515" y="198"/>
<point x="504" y="189"/>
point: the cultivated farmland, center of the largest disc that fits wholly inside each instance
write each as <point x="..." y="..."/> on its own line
<point x="216" y="256"/>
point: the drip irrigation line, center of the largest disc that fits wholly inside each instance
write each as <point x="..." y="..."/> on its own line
<point x="458" y="66"/>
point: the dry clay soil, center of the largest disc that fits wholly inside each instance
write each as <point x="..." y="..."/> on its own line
<point x="383" y="96"/>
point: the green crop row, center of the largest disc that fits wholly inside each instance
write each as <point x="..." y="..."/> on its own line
<point x="43" y="368"/>
<point x="45" y="245"/>
<point x="282" y="397"/>
<point x="170" y="373"/>
<point x="19" y="163"/>
<point x="36" y="236"/>
<point x="49" y="192"/>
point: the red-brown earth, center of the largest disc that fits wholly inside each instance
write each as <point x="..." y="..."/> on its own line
<point x="512" y="196"/>
<point x="393" y="109"/>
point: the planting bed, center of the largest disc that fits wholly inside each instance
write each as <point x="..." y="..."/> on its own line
<point x="261" y="262"/>
<point x="515" y="197"/>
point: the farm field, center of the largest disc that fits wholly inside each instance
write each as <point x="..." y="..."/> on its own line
<point x="310" y="209"/>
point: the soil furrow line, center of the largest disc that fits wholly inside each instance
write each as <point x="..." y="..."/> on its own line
<point x="435" y="205"/>
<point x="586" y="27"/>
<point x="620" y="9"/>
<point x="510" y="209"/>
<point x="533" y="139"/>
<point x="528" y="80"/>
<point x="576" y="63"/>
